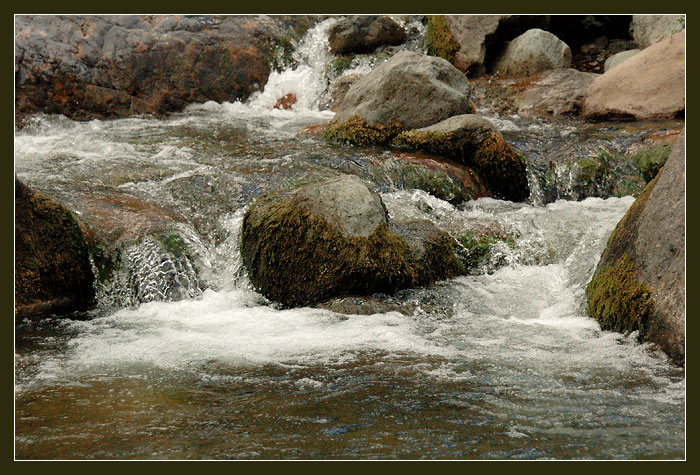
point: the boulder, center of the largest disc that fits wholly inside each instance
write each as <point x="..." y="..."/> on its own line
<point x="86" y="66"/>
<point x="339" y="88"/>
<point x="475" y="142"/>
<point x="363" y="34"/>
<point x="52" y="265"/>
<point x="618" y="58"/>
<point x="649" y="85"/>
<point x="412" y="89"/>
<point x="334" y="238"/>
<point x="639" y="283"/>
<point x="555" y="92"/>
<point x="468" y="41"/>
<point x="648" y="29"/>
<point x="532" y="52"/>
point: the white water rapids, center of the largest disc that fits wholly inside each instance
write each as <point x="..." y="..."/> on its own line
<point x="503" y="364"/>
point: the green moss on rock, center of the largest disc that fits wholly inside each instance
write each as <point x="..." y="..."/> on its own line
<point x="52" y="265"/>
<point x="358" y="131"/>
<point x="503" y="171"/>
<point x="617" y="300"/>
<point x="439" y="40"/>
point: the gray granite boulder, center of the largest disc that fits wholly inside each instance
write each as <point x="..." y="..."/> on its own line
<point x="648" y="29"/>
<point x="618" y="58"/>
<point x="532" y="52"/>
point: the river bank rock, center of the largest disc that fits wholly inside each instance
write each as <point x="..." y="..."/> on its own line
<point x="52" y="265"/>
<point x="475" y="142"/>
<point x="97" y="66"/>
<point x="639" y="284"/>
<point x="649" y="85"/>
<point x="532" y="52"/>
<point x="363" y="34"/>
<point x="649" y="29"/>
<point x="470" y="41"/>
<point x="334" y="238"/>
<point x="555" y="92"/>
<point x="411" y="89"/>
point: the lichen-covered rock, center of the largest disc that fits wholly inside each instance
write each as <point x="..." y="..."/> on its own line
<point x="333" y="239"/>
<point x="532" y="52"/>
<point x="475" y="142"/>
<point x="469" y="41"/>
<point x="411" y="88"/>
<point x="639" y="284"/>
<point x="87" y="66"/>
<point x="649" y="85"/>
<point x="363" y="34"/>
<point x="52" y="266"/>
<point x="618" y="58"/>
<point x="648" y="29"/>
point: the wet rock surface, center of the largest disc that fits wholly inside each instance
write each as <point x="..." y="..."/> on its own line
<point x="639" y="284"/>
<point x="363" y="34"/>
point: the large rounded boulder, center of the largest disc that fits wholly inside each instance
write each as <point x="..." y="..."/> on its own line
<point x="639" y="284"/>
<point x="532" y="52"/>
<point x="411" y="89"/>
<point x="649" y="85"/>
<point x="52" y="264"/>
<point x="334" y="238"/>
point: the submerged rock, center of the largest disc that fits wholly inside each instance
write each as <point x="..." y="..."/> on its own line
<point x="532" y="52"/>
<point x="475" y="142"/>
<point x="639" y="284"/>
<point x="649" y="85"/>
<point x="52" y="264"/>
<point x="334" y="238"/>
<point x="412" y="89"/>
<point x="363" y="34"/>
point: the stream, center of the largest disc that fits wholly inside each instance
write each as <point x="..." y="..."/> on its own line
<point x="182" y="359"/>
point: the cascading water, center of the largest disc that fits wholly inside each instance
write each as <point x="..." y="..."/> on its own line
<point x="193" y="363"/>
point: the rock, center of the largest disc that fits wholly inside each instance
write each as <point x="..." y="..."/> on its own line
<point x="52" y="265"/>
<point x="556" y="92"/>
<point x="286" y="102"/>
<point x="618" y="58"/>
<point x="332" y="239"/>
<point x="475" y="142"/>
<point x="532" y="52"/>
<point x="363" y="34"/>
<point x="639" y="284"/>
<point x="649" y="29"/>
<point x="451" y="182"/>
<point x="469" y="41"/>
<point x="412" y="89"/>
<point x="650" y="85"/>
<point x="100" y="66"/>
<point x="340" y="87"/>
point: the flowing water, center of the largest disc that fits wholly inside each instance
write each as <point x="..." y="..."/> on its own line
<point x="186" y="361"/>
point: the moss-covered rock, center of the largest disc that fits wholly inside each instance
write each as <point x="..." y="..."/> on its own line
<point x="475" y="142"/>
<point x="358" y="131"/>
<point x="639" y="284"/>
<point x="52" y="265"/>
<point x="333" y="239"/>
<point x="439" y="40"/>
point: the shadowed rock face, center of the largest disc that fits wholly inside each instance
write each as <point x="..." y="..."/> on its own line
<point x="52" y="267"/>
<point x="334" y="239"/>
<point x="106" y="66"/>
<point x="364" y="34"/>
<point x="639" y="284"/>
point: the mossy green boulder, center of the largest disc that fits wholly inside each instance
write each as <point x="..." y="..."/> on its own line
<point x="334" y="238"/>
<point x="52" y="265"/>
<point x="475" y="142"/>
<point x="639" y="284"/>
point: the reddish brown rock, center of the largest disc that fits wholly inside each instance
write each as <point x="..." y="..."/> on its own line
<point x="649" y="85"/>
<point x="286" y="102"/>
